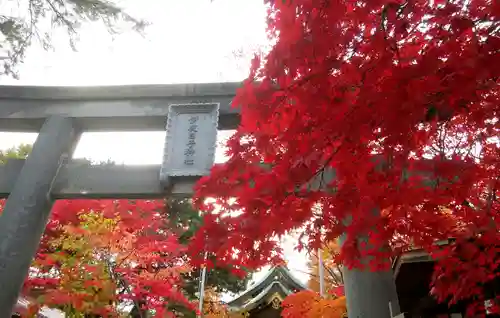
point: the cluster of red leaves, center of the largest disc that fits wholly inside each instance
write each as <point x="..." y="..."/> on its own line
<point x="135" y="259"/>
<point x="470" y="270"/>
<point x="400" y="101"/>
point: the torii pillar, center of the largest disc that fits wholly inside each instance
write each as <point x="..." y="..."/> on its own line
<point x="370" y="293"/>
<point x="27" y="209"/>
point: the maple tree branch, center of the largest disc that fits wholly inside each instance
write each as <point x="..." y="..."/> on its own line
<point x="124" y="259"/>
<point x="492" y="195"/>
<point x="339" y="270"/>
<point x="124" y="284"/>
<point x="334" y="277"/>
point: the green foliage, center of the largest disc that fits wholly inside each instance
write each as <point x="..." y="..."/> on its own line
<point x="32" y="21"/>
<point x="186" y="221"/>
<point x="23" y="150"/>
<point x="20" y="152"/>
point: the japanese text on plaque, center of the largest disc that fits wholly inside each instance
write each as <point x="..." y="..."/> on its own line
<point x="189" y="152"/>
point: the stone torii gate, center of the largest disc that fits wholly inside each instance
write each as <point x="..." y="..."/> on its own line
<point x="191" y="115"/>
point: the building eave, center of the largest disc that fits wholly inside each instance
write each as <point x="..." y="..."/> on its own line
<point x="415" y="255"/>
<point x="263" y="297"/>
<point x="272" y="271"/>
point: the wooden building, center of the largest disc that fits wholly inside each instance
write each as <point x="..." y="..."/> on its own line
<point x="263" y="298"/>
<point x="413" y="274"/>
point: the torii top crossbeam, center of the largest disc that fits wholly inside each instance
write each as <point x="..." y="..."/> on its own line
<point x="125" y="108"/>
<point x="110" y="108"/>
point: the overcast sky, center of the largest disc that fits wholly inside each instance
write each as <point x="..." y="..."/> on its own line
<point x="187" y="41"/>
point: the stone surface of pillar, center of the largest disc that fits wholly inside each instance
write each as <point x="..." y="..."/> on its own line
<point x="27" y="209"/>
<point x="370" y="293"/>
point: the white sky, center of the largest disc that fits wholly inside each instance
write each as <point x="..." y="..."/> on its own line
<point x="187" y="41"/>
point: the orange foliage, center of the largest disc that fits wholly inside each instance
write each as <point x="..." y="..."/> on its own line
<point x="309" y="304"/>
<point x="213" y="306"/>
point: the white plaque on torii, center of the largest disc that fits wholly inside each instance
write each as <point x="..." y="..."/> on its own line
<point x="190" y="141"/>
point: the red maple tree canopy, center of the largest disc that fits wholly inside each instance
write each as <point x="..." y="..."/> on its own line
<point x="400" y="101"/>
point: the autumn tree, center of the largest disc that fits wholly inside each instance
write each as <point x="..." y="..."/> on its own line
<point x="27" y="22"/>
<point x="361" y="107"/>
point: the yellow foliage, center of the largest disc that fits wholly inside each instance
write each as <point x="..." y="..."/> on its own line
<point x="88" y="256"/>
<point x="331" y="268"/>
<point x="212" y="305"/>
<point x="82" y="272"/>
